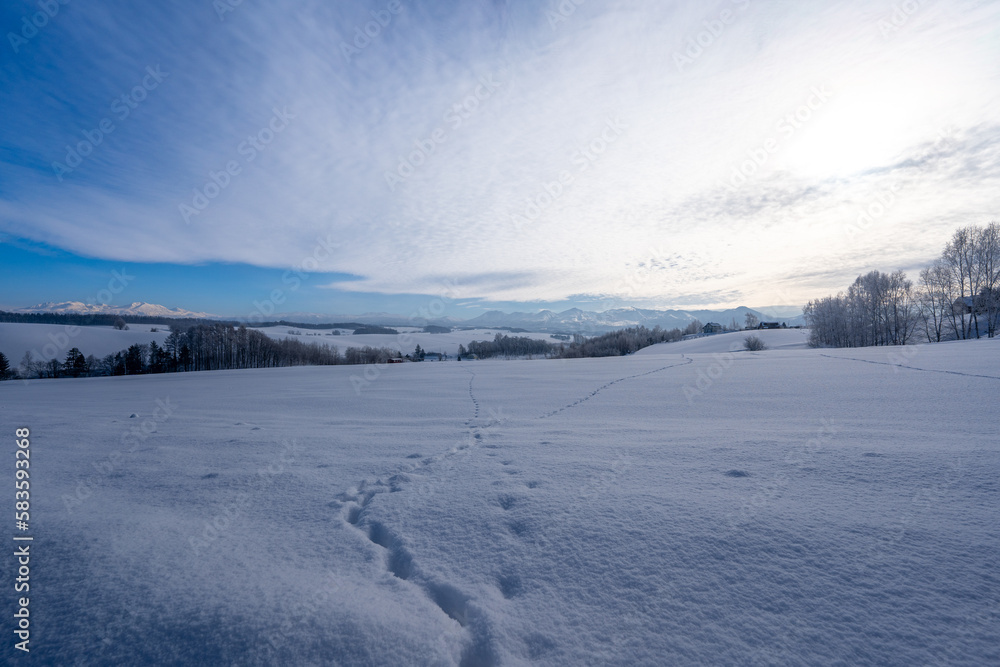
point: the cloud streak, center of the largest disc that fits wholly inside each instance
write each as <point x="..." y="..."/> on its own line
<point x="424" y="151"/>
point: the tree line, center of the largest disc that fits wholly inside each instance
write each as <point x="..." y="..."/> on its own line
<point x="93" y="319"/>
<point x="612" y="344"/>
<point x="112" y="319"/>
<point x="201" y="347"/>
<point x="624" y="341"/>
<point x="507" y="347"/>
<point x="956" y="297"/>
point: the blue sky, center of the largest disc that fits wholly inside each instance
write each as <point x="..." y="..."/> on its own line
<point x="500" y="154"/>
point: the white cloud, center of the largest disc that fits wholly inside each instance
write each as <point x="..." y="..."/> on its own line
<point x="645" y="151"/>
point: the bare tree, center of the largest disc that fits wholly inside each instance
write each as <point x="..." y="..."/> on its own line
<point x="960" y="255"/>
<point x="988" y="296"/>
<point x="958" y="297"/>
<point x="30" y="367"/>
<point x="878" y="309"/>
<point x="936" y="298"/>
<point x="828" y="322"/>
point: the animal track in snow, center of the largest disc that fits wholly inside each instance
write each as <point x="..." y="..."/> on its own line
<point x="510" y="585"/>
<point x="398" y="560"/>
<point x="604" y="386"/>
<point x="506" y="500"/>
<point x="912" y="368"/>
<point x="519" y="528"/>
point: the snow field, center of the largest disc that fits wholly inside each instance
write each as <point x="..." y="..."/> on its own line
<point x="53" y="341"/>
<point x="775" y="339"/>
<point x="808" y="506"/>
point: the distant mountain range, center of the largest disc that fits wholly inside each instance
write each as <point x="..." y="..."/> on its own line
<point x="134" y="308"/>
<point x="573" y="320"/>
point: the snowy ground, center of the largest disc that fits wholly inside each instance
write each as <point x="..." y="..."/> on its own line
<point x="791" y="506"/>
<point x="775" y="339"/>
<point x="53" y="341"/>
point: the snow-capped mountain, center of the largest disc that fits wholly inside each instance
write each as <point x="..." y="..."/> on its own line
<point x="584" y="321"/>
<point x="381" y="319"/>
<point x="573" y="320"/>
<point x="134" y="308"/>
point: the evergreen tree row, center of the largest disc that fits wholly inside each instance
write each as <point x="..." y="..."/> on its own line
<point x="507" y="347"/>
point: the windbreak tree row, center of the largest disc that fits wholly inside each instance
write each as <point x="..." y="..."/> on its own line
<point x="624" y="341"/>
<point x="508" y="347"/>
<point x="958" y="297"/>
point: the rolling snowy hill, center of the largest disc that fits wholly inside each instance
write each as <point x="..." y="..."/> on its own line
<point x="784" y="507"/>
<point x="48" y="341"/>
<point x="787" y="339"/>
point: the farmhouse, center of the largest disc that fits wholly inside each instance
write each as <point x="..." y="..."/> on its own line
<point x="712" y="328"/>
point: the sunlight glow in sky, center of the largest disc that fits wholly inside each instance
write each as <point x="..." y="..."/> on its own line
<point x="644" y="153"/>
